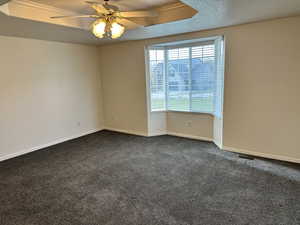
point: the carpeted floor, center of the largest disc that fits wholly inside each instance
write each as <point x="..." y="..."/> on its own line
<point x="112" y="178"/>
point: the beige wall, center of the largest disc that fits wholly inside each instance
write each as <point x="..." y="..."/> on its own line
<point x="124" y="87"/>
<point x="49" y="92"/>
<point x="262" y="110"/>
<point x="262" y="77"/>
<point x="193" y="125"/>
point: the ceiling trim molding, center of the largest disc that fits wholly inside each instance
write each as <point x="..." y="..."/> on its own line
<point x="40" y="6"/>
<point x="27" y="9"/>
<point x="30" y="10"/>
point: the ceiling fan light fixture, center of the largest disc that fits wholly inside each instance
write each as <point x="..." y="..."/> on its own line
<point x="110" y="19"/>
<point x="99" y="28"/>
<point x="116" y="30"/>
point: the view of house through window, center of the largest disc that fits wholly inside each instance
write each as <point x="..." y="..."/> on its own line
<point x="157" y="79"/>
<point x="184" y="78"/>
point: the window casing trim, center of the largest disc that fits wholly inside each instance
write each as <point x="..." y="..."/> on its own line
<point x="193" y="41"/>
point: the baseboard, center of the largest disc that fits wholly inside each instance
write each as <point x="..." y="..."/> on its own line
<point x="159" y="133"/>
<point x="190" y="136"/>
<point x="217" y="144"/>
<point x="263" y="155"/>
<point x="226" y="148"/>
<point x="138" y="133"/>
<point x="57" y="141"/>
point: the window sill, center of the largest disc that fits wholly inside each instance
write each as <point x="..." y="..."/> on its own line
<point x="177" y="111"/>
<point x="158" y="111"/>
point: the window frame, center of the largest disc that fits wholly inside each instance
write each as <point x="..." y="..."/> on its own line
<point x="166" y="47"/>
<point x="148" y="74"/>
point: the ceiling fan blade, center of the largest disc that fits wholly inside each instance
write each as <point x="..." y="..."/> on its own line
<point x="128" y="23"/>
<point x="98" y="7"/>
<point x="93" y="2"/>
<point x="110" y="7"/>
<point x="139" y="14"/>
<point x="75" y="16"/>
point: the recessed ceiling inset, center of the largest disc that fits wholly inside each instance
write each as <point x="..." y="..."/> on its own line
<point x="105" y="18"/>
<point x="111" y="21"/>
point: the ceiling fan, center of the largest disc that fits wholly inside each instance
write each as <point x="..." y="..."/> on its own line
<point x="2" y="2"/>
<point x="110" y="21"/>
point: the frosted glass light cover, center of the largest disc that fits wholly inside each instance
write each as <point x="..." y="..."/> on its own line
<point x="116" y="30"/>
<point x="99" y="28"/>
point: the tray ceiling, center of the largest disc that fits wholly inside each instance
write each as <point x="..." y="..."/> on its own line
<point x="211" y="14"/>
<point x="82" y="7"/>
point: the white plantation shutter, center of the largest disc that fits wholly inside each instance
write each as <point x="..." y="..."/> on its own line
<point x="203" y="78"/>
<point x="157" y="79"/>
<point x="178" y="79"/>
<point x="191" y="78"/>
<point x="188" y="75"/>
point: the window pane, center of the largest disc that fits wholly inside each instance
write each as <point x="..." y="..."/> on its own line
<point x="203" y="78"/>
<point x="157" y="79"/>
<point x="190" y="80"/>
<point x="179" y="100"/>
<point x="157" y="98"/>
<point x="178" y="79"/>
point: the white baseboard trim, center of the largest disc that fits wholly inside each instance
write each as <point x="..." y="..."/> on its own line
<point x="159" y="133"/>
<point x="260" y="154"/>
<point x="190" y="136"/>
<point x="226" y="148"/>
<point x="138" y="133"/>
<point x="217" y="144"/>
<point x="57" y="141"/>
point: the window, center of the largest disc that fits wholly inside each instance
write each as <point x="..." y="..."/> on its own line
<point x="157" y="79"/>
<point x="184" y="78"/>
<point x="178" y="79"/>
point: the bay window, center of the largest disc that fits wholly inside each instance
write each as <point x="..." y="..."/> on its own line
<point x="184" y="77"/>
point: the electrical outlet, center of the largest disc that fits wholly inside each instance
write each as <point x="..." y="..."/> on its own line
<point x="78" y="124"/>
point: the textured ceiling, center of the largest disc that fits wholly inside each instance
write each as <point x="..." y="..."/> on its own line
<point x="82" y="7"/>
<point x="220" y="13"/>
<point x="212" y="14"/>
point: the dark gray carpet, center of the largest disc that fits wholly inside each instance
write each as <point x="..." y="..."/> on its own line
<point x="112" y="178"/>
